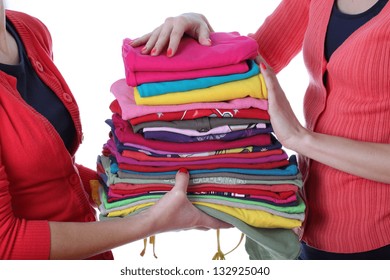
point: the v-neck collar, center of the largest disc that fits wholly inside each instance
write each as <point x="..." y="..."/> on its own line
<point x="374" y="20"/>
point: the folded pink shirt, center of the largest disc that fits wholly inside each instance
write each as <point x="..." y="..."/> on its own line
<point x="129" y="109"/>
<point x="110" y="145"/>
<point x="227" y="55"/>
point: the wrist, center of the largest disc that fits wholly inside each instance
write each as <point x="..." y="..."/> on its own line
<point x="298" y="139"/>
<point x="140" y="226"/>
<point x="306" y="144"/>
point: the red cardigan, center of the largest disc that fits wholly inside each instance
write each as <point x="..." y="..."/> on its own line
<point x="346" y="213"/>
<point x="39" y="180"/>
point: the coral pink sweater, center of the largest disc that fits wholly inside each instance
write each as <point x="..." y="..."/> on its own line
<point x="345" y="213"/>
<point x="39" y="180"/>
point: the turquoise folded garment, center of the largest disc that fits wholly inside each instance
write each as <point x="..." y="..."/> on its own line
<point x="153" y="89"/>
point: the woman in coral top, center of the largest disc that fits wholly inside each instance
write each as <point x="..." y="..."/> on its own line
<point x="344" y="147"/>
<point x="46" y="210"/>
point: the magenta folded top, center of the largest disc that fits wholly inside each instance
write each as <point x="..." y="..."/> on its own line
<point x="110" y="145"/>
<point x="227" y="55"/>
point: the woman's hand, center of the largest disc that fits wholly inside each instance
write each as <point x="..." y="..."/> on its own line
<point x="168" y="35"/>
<point x="363" y="159"/>
<point x="175" y="212"/>
<point x="285" y="124"/>
<point x="75" y="240"/>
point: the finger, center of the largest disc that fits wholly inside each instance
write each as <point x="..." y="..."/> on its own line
<point x="181" y="180"/>
<point x="204" y="32"/>
<point x="204" y="37"/>
<point x="163" y="38"/>
<point x="259" y="59"/>
<point x="222" y="225"/>
<point x="177" y="34"/>
<point x="209" y="27"/>
<point x="202" y="228"/>
<point x="140" y="41"/>
<point x="211" y="222"/>
<point x="150" y="44"/>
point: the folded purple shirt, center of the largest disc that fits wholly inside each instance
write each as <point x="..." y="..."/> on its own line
<point x="126" y="135"/>
<point x="182" y="138"/>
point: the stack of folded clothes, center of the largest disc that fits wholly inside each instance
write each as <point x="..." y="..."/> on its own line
<point x="205" y="109"/>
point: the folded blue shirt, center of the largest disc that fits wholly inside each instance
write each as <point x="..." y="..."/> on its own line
<point x="153" y="89"/>
<point x="290" y="169"/>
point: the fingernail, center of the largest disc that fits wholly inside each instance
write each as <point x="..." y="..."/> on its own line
<point x="153" y="52"/>
<point x="263" y="66"/>
<point x="144" y="49"/>
<point x="206" y="41"/>
<point x="169" y="52"/>
<point x="183" y="170"/>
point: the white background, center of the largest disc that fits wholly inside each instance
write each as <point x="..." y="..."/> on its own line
<point x="87" y="38"/>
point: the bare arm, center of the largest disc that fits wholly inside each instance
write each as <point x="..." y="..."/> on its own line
<point x="173" y="212"/>
<point x="83" y="240"/>
<point x="363" y="159"/>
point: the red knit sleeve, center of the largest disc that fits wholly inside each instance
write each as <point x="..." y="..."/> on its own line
<point x="280" y="38"/>
<point x="19" y="238"/>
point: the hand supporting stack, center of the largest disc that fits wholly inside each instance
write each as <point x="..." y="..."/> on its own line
<point x="205" y="109"/>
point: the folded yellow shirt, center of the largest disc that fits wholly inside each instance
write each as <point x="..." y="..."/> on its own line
<point x="255" y="218"/>
<point x="128" y="211"/>
<point x="251" y="87"/>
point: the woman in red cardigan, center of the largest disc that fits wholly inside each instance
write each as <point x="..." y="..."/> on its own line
<point x="344" y="147"/>
<point x="45" y="206"/>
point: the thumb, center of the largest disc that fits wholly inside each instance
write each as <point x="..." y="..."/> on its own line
<point x="266" y="70"/>
<point x="269" y="75"/>
<point x="182" y="179"/>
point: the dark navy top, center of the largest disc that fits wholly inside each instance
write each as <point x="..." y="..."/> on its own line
<point x="341" y="25"/>
<point x="38" y="95"/>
